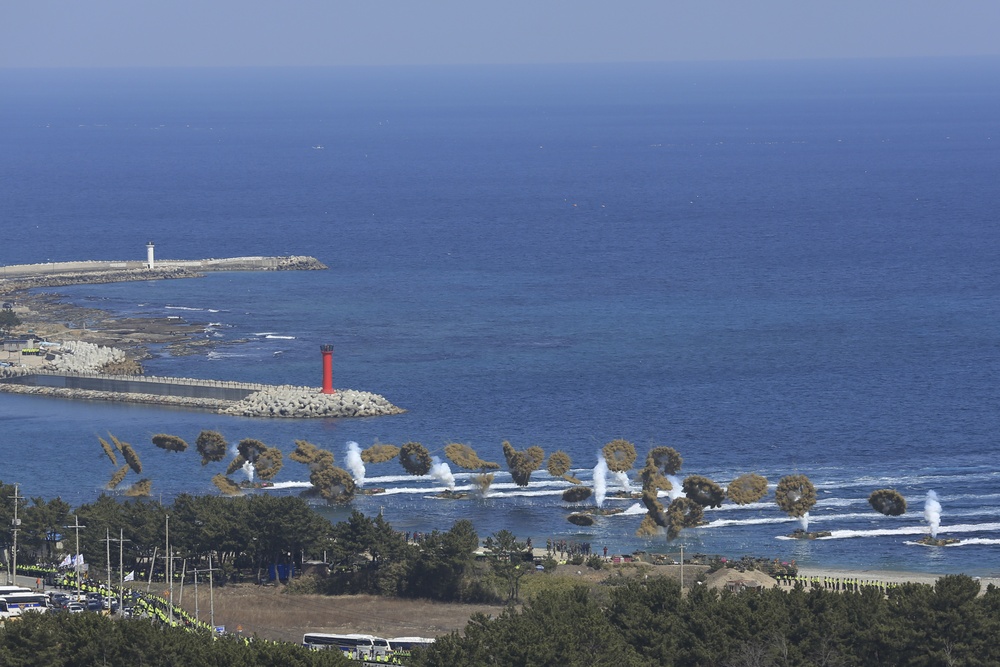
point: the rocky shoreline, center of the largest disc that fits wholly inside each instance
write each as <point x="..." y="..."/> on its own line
<point x="92" y="342"/>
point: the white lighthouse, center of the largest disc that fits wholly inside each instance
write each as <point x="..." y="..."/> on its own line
<point x="149" y="255"/>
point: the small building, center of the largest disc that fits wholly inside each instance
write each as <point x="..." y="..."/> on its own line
<point x="16" y="344"/>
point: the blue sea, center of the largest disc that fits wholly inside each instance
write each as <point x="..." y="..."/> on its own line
<point x="780" y="267"/>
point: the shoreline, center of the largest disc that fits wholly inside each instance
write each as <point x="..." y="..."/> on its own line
<point x="120" y="343"/>
<point x="48" y="315"/>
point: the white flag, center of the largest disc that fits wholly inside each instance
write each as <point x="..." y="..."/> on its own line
<point x="78" y="561"/>
<point x="67" y="561"/>
<point x="130" y="576"/>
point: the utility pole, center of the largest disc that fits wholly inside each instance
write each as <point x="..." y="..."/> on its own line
<point x="196" y="595"/>
<point x="16" y="526"/>
<point x="170" y="574"/>
<point x="107" y="544"/>
<point x="121" y="571"/>
<point x="76" y="558"/>
<point x="682" y="568"/>
<point x="211" y="594"/>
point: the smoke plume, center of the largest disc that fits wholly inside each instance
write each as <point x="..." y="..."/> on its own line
<point x="442" y="471"/>
<point x="600" y="479"/>
<point x="932" y="512"/>
<point x="355" y="464"/>
<point x="622" y="478"/>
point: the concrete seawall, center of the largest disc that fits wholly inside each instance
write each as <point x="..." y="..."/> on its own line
<point x="54" y="274"/>
<point x="232" y="398"/>
<point x="254" y="263"/>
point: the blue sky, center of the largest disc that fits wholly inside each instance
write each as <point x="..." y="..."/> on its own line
<point x="172" y="33"/>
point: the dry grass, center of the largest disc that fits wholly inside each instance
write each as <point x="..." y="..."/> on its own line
<point x="268" y="612"/>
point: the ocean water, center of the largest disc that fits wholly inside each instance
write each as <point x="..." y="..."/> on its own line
<point x="773" y="267"/>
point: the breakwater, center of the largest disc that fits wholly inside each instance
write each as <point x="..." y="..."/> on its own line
<point x="54" y="274"/>
<point x="232" y="398"/>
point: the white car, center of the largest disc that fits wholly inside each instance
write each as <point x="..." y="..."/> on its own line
<point x="75" y="608"/>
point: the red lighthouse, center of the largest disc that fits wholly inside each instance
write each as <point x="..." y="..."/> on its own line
<point x="327" y="351"/>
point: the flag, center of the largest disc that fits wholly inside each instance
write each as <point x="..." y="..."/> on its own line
<point x="78" y="561"/>
<point x="130" y="576"/>
<point x="67" y="561"/>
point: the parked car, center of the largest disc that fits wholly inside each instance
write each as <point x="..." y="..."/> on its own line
<point x="75" y="608"/>
<point x="60" y="600"/>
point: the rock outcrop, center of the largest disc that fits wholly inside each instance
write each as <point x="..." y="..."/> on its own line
<point x="76" y="356"/>
<point x="308" y="402"/>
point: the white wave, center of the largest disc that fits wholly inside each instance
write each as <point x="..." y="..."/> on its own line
<point x="512" y="494"/>
<point x="943" y="479"/>
<point x="732" y="506"/>
<point x="290" y="485"/>
<point x="213" y="354"/>
<point x="265" y="333"/>
<point x="722" y="523"/>
<point x="913" y="530"/>
<point x="422" y="490"/>
<point x="391" y="479"/>
<point x="974" y="540"/>
<point x="181" y="308"/>
<point x="839" y="502"/>
<point x="273" y="336"/>
<point x="635" y="509"/>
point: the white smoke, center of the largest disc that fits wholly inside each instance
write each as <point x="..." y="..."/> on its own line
<point x="442" y="471"/>
<point x="622" y="478"/>
<point x="248" y="470"/>
<point x="676" y="487"/>
<point x="600" y="479"/>
<point x="932" y="512"/>
<point x="804" y="522"/>
<point x="355" y="464"/>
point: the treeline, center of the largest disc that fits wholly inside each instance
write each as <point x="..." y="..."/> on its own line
<point x="648" y="622"/>
<point x="83" y="640"/>
<point x="240" y="538"/>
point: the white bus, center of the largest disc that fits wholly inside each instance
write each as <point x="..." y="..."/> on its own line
<point x="352" y="646"/>
<point x="406" y="644"/>
<point x="20" y="602"/>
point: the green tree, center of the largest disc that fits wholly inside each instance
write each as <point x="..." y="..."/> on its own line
<point x="438" y="569"/>
<point x="371" y="552"/>
<point x="9" y="320"/>
<point x="43" y="524"/>
<point x="507" y="559"/>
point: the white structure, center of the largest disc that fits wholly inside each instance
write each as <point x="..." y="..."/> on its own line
<point x="149" y="255"/>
